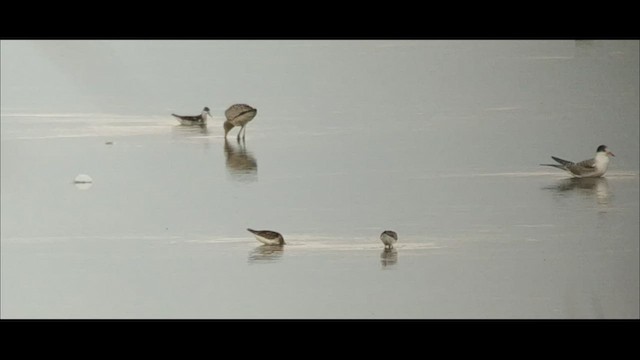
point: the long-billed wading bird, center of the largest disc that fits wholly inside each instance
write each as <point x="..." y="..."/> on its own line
<point x="268" y="237"/>
<point x="595" y="167"/>
<point x="389" y="238"/>
<point x="238" y="115"/>
<point x="194" y="119"/>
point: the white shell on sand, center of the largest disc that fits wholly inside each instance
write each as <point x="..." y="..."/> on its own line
<point x="83" y="179"/>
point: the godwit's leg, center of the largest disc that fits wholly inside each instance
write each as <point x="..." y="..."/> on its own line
<point x="239" y="132"/>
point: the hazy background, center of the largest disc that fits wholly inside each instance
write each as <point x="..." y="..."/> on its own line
<point x="491" y="94"/>
<point x="438" y="140"/>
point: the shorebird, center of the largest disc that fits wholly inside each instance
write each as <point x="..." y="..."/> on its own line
<point x="194" y="119"/>
<point x="268" y="237"/>
<point x="238" y="115"/>
<point x="595" y="167"/>
<point x="389" y="238"/>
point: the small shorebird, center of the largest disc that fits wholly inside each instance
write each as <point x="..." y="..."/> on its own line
<point x="194" y="119"/>
<point x="238" y="115"/>
<point x="595" y="167"/>
<point x="268" y="237"/>
<point x="389" y="238"/>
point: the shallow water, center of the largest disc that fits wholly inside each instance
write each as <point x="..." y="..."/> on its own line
<point x="437" y="140"/>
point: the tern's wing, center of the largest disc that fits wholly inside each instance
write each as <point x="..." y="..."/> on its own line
<point x="583" y="167"/>
<point x="591" y="163"/>
<point x="562" y="161"/>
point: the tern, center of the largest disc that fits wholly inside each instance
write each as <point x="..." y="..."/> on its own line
<point x="590" y="168"/>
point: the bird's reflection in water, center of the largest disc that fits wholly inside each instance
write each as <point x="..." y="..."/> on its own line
<point x="266" y="254"/>
<point x="388" y="258"/>
<point x="191" y="130"/>
<point x="587" y="187"/>
<point x="241" y="164"/>
<point x="197" y="133"/>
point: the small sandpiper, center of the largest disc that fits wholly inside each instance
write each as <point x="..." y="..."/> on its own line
<point x="194" y="119"/>
<point x="238" y="115"/>
<point x="590" y="168"/>
<point x="389" y="238"/>
<point x="268" y="237"/>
